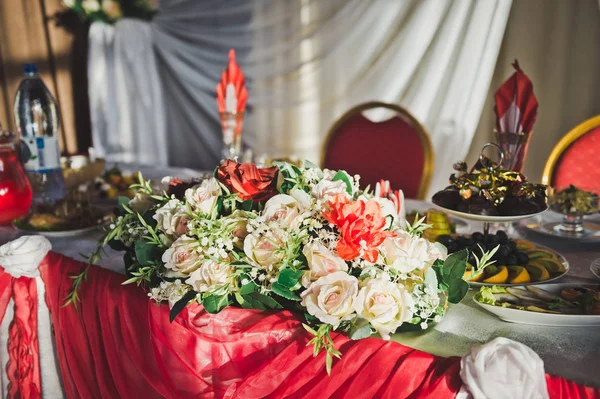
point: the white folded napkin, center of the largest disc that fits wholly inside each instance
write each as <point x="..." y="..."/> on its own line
<point x="500" y="369"/>
<point x="21" y="257"/>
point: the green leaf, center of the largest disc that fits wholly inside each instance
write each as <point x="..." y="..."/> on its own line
<point x="240" y="299"/>
<point x="215" y="303"/>
<point x="247" y="205"/>
<point x="145" y="253"/>
<point x="289" y="278"/>
<point x="457" y="290"/>
<point x="455" y="264"/>
<point x="122" y="201"/>
<point x="251" y="303"/>
<point x="284" y="292"/>
<point x="343" y="176"/>
<point x="269" y="302"/>
<point x="248" y="288"/>
<point x="359" y="329"/>
<point x="181" y="304"/>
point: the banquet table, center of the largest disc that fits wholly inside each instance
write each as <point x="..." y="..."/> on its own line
<point x="569" y="352"/>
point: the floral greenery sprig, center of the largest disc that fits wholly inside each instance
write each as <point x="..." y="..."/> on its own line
<point x="287" y="237"/>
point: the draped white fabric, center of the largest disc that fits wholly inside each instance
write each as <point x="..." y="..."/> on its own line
<point x="126" y="100"/>
<point x="306" y="63"/>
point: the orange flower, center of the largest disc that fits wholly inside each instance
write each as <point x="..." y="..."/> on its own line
<point x="250" y="182"/>
<point x="361" y="225"/>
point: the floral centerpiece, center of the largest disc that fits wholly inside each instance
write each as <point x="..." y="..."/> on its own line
<point x="110" y="11"/>
<point x="285" y="237"/>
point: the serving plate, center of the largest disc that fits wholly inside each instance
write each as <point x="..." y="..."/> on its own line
<point x="544" y="224"/>
<point x="62" y="233"/>
<point x="562" y="259"/>
<point x="488" y="219"/>
<point x="543" y="319"/>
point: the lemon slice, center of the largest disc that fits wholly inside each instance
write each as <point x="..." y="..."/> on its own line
<point x="518" y="275"/>
<point x="500" y="277"/>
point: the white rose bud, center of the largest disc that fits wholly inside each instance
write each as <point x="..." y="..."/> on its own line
<point x="141" y="202"/>
<point x="203" y="197"/>
<point x="210" y="276"/>
<point x="265" y="250"/>
<point x="327" y="188"/>
<point x="406" y="253"/>
<point x="331" y="298"/>
<point x="182" y="256"/>
<point x="385" y="305"/>
<point x="321" y="262"/>
<point x="164" y="215"/>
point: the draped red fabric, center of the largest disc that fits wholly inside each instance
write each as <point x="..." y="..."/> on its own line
<point x="23" y="367"/>
<point x="119" y="344"/>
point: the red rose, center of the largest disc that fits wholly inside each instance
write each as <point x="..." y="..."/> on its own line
<point x="250" y="182"/>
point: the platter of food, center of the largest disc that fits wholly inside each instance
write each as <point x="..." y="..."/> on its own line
<point x="549" y="305"/>
<point x="489" y="194"/>
<point x="515" y="261"/>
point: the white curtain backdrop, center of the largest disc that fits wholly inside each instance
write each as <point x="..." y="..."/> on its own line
<point x="125" y="94"/>
<point x="306" y="63"/>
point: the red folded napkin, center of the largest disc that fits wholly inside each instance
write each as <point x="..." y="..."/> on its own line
<point x="231" y="90"/>
<point x="516" y="105"/>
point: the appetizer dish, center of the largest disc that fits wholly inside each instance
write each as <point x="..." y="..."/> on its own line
<point x="500" y="260"/>
<point x="439" y="221"/>
<point x="491" y="191"/>
<point x="574" y="201"/>
<point x="115" y="183"/>
<point x="569" y="300"/>
<point x="67" y="215"/>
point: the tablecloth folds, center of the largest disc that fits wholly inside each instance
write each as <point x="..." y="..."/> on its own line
<point x="119" y="344"/>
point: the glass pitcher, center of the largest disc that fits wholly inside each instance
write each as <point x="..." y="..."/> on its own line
<point x="15" y="191"/>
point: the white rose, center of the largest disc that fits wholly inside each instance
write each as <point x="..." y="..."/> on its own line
<point x="182" y="256"/>
<point x="21" y="257"/>
<point x="327" y="188"/>
<point x="236" y="223"/>
<point x="289" y="210"/>
<point x="203" y="197"/>
<point x="406" y="253"/>
<point x="435" y="250"/>
<point x="69" y="3"/>
<point x="331" y="298"/>
<point x="209" y="276"/>
<point x="388" y="208"/>
<point x="164" y="215"/>
<point x="90" y="5"/>
<point x="267" y="249"/>
<point x="385" y="305"/>
<point x="503" y="368"/>
<point x="179" y="223"/>
<point x="321" y="262"/>
<point x="141" y="202"/>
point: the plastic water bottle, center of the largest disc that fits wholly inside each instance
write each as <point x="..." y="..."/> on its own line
<point x="36" y="115"/>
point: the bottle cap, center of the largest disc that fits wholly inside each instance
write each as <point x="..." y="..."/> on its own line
<point x="30" y="69"/>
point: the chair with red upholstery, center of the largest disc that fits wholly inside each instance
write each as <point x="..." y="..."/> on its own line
<point x="397" y="149"/>
<point x="576" y="158"/>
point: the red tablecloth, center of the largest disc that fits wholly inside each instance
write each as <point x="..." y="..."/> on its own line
<point x="119" y="344"/>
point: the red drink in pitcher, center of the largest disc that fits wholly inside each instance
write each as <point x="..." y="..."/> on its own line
<point x="15" y="191"/>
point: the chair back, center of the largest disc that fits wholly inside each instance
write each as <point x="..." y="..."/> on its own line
<point x="397" y="149"/>
<point x="576" y="158"/>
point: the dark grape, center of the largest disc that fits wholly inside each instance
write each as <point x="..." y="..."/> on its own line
<point x="477" y="236"/>
<point x="444" y="239"/>
<point x="500" y="260"/>
<point x="522" y="258"/>
<point x="471" y="260"/>
<point x="512" y="246"/>
<point x="501" y="234"/>
<point x="503" y="251"/>
<point x="511" y="260"/>
<point x="492" y="240"/>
